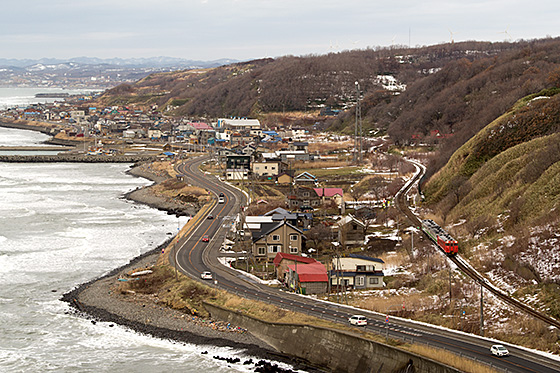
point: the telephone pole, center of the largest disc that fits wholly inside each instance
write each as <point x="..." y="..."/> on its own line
<point x="358" y="126"/>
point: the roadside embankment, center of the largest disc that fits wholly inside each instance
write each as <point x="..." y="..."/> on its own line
<point x="340" y="351"/>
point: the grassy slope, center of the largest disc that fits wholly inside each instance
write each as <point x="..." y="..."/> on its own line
<point x="495" y="168"/>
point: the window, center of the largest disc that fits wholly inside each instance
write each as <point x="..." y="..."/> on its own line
<point x="306" y="194"/>
<point x="261" y="250"/>
<point x="275" y="237"/>
<point x="366" y="268"/>
<point x="293" y="250"/>
<point x="373" y="281"/>
<point x="274" y="248"/>
<point x="293" y="237"/>
<point x="360" y="281"/>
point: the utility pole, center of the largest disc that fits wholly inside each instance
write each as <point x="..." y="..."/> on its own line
<point x="481" y="311"/>
<point x="450" y="284"/>
<point x="358" y="136"/>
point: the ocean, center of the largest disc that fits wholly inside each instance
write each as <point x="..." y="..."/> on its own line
<point x="61" y="225"/>
<point x="13" y="97"/>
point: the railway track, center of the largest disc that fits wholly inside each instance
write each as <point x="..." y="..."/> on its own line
<point x="400" y="202"/>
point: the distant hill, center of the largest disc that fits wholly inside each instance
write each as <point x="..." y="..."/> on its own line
<point x="299" y="83"/>
<point x="455" y="89"/>
<point x="150" y="62"/>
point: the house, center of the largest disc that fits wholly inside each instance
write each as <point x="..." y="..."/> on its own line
<point x="331" y="194"/>
<point x="303" y="198"/>
<point x="277" y="237"/>
<point x="301" y="273"/>
<point x="357" y="272"/>
<point x="293" y="155"/>
<point x="237" y="167"/>
<point x="350" y="231"/>
<point x="305" y="178"/>
<point x="268" y="168"/>
<point x="239" y="123"/>
<point x="283" y="260"/>
<point x="284" y="178"/>
<point x="299" y="146"/>
<point x="309" y="278"/>
<point x="154" y="133"/>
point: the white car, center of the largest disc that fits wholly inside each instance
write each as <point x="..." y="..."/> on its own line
<point x="358" y="320"/>
<point x="206" y="275"/>
<point x="499" y="350"/>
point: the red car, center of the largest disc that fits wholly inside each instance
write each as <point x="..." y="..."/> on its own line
<point x="205" y="238"/>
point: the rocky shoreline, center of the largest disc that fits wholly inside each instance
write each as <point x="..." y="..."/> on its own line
<point x="99" y="301"/>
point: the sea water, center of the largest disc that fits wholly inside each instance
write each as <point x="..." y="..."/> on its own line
<point x="23" y="96"/>
<point x="63" y="224"/>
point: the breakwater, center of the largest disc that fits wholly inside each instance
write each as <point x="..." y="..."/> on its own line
<point x="24" y="126"/>
<point x="77" y="158"/>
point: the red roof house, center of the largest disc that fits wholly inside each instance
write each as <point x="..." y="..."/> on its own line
<point x="309" y="278"/>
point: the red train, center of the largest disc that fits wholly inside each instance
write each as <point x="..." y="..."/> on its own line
<point x="443" y="239"/>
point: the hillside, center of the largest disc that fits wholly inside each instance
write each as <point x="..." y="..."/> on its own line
<point x="295" y="83"/>
<point x="500" y="196"/>
<point x="455" y="89"/>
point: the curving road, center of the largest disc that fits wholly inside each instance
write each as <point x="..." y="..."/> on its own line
<point x="194" y="256"/>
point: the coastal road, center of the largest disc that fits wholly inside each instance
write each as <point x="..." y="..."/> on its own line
<point x="194" y="256"/>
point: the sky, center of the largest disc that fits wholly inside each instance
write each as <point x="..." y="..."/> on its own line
<point x="248" y="29"/>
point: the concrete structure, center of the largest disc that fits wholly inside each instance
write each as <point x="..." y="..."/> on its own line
<point x="334" y="350"/>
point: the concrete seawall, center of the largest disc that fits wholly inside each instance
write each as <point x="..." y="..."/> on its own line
<point x="76" y="158"/>
<point x="335" y="350"/>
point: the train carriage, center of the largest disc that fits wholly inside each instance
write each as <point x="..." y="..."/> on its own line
<point x="443" y="239"/>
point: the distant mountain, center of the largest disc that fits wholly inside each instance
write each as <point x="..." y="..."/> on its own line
<point x="153" y="62"/>
<point x="91" y="72"/>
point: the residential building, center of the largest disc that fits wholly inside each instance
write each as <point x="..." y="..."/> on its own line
<point x="331" y="194"/>
<point x="283" y="260"/>
<point x="239" y="123"/>
<point x="268" y="168"/>
<point x="357" y="272"/>
<point x="277" y="237"/>
<point x="350" y="231"/>
<point x="309" y="278"/>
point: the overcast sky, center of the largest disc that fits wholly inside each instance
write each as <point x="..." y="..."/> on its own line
<point x="248" y="29"/>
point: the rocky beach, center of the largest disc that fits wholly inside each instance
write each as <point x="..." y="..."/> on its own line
<point x="100" y="300"/>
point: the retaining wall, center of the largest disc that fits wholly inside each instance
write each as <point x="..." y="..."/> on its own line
<point x="338" y="351"/>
